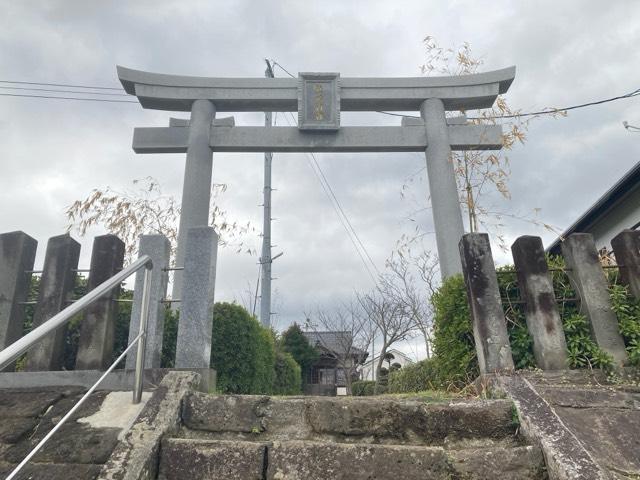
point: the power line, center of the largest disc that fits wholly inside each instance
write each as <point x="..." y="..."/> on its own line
<point x="282" y="68"/>
<point x="64" y="91"/>
<point x="61" y="85"/>
<point x="351" y="232"/>
<point x="540" y="112"/>
<point x="342" y="216"/>
<point x="67" y="98"/>
<point x="565" y="109"/>
<point x="515" y="115"/>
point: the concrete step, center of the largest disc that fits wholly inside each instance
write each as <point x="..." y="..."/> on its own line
<point x="294" y="460"/>
<point x="347" y="420"/>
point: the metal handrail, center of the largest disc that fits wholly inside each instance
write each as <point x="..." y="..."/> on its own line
<point x="17" y="348"/>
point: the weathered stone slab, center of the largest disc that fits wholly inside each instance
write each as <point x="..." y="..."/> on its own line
<point x="230" y="413"/>
<point x="98" y="324"/>
<point x="137" y="456"/>
<point x="17" y="255"/>
<point x="489" y="325"/>
<point x="590" y="397"/>
<point x="158" y="248"/>
<point x="319" y="461"/>
<point x="566" y="456"/>
<point x="626" y="247"/>
<point x="351" y="419"/>
<point x="431" y="423"/>
<point x="286" y="419"/>
<point x="56" y="287"/>
<point x="588" y="279"/>
<point x="602" y="413"/>
<point x="82" y="443"/>
<point x="52" y="471"/>
<point x="519" y="463"/>
<point x="12" y="430"/>
<point x="541" y="310"/>
<point x="76" y="443"/>
<point x="610" y="434"/>
<point x="203" y="460"/>
<point x="193" y="346"/>
<point x="26" y="403"/>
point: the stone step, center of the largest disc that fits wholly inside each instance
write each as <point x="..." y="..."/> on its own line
<point x="52" y="471"/>
<point x="294" y="460"/>
<point x="347" y="420"/>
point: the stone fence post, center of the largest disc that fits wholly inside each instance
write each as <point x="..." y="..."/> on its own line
<point x="541" y="311"/>
<point x="193" y="347"/>
<point x="158" y="248"/>
<point x="489" y="325"/>
<point x="56" y="287"/>
<point x="626" y="247"/>
<point x="589" y="281"/>
<point x="98" y="323"/>
<point x="17" y="255"/>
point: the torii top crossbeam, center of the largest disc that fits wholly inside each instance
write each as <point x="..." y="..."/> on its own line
<point x="319" y="98"/>
<point x="177" y="93"/>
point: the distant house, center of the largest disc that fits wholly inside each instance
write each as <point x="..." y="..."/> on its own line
<point x="618" y="209"/>
<point x="338" y="358"/>
<point x="369" y="368"/>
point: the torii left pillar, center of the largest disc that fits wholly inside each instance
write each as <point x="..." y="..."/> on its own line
<point x="196" y="190"/>
<point x="445" y="203"/>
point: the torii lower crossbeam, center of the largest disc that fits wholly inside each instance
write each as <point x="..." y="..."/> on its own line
<point x="290" y="139"/>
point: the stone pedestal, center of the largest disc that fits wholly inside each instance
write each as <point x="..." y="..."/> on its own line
<point x="541" y="310"/>
<point x="193" y="348"/>
<point x="447" y="216"/>
<point x="158" y="248"/>
<point x="56" y="288"/>
<point x="17" y="255"/>
<point x="489" y="325"/>
<point x="626" y="246"/>
<point x="589" y="281"/>
<point x="98" y="324"/>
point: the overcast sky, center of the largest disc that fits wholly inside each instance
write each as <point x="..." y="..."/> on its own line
<point x="55" y="151"/>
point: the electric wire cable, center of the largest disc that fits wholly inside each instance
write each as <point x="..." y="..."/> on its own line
<point x="338" y="208"/>
<point x="52" y="90"/>
<point x="633" y="93"/>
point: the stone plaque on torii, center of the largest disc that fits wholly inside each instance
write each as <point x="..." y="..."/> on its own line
<point x="319" y="98"/>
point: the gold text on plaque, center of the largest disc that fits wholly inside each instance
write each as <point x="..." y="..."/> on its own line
<point x="318" y="102"/>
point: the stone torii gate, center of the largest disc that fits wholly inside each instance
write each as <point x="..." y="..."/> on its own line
<point x="319" y="98"/>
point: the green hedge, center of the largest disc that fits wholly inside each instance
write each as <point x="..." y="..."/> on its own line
<point x="287" y="375"/>
<point x="455" y="363"/>
<point x="363" y="388"/>
<point x="453" y="343"/>
<point x="242" y="351"/>
<point x="415" y="378"/>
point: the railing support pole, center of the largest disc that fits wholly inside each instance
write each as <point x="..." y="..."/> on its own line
<point x="142" y="343"/>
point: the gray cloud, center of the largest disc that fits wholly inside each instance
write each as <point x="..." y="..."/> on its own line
<point x="56" y="151"/>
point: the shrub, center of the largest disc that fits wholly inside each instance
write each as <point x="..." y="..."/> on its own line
<point x="363" y="388"/>
<point x="453" y="342"/>
<point x="295" y="343"/>
<point x="288" y="380"/>
<point x="265" y="359"/>
<point x="456" y="361"/>
<point x="627" y="310"/>
<point x="415" y="378"/>
<point x="241" y="351"/>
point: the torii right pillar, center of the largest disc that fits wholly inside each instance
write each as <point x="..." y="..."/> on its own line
<point x="445" y="203"/>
